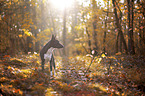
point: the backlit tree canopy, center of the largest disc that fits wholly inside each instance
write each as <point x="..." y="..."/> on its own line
<point x="109" y="26"/>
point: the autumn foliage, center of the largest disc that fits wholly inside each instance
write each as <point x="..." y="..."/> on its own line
<point x="103" y="54"/>
<point x="106" y="76"/>
<point x="111" y="27"/>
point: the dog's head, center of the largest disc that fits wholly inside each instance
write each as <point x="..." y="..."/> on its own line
<point x="55" y="43"/>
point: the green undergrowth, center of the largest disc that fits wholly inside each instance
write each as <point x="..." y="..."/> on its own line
<point x="106" y="76"/>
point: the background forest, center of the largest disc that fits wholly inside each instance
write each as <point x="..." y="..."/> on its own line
<point x="108" y="26"/>
<point x="103" y="54"/>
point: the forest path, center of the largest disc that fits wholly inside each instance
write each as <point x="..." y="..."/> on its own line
<point x="106" y="76"/>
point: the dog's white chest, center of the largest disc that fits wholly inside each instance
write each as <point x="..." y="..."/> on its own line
<point x="48" y="54"/>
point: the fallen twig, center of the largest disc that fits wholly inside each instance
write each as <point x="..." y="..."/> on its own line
<point x="90" y="64"/>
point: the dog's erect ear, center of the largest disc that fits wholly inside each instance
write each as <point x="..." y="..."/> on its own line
<point x="53" y="37"/>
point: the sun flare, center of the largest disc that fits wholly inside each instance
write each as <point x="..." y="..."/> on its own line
<point x="61" y="4"/>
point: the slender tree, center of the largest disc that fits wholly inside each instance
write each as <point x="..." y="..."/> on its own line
<point x="118" y="25"/>
<point x="64" y="32"/>
<point x="94" y="22"/>
<point x="104" y="39"/>
<point x="130" y="4"/>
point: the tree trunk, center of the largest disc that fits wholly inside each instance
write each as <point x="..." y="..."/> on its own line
<point x="118" y="25"/>
<point x="35" y="30"/>
<point x="120" y="46"/>
<point x="53" y="23"/>
<point x="95" y="48"/>
<point x="89" y="40"/>
<point x="64" y="32"/>
<point x="131" y="49"/>
<point x="117" y="43"/>
<point x="104" y="39"/>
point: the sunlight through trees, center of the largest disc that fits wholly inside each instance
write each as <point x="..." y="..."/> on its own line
<point x="104" y="43"/>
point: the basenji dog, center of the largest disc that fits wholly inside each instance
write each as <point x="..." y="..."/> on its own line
<point x="46" y="53"/>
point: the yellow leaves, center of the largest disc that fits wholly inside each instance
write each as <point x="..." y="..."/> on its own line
<point x="26" y="71"/>
<point x="62" y="86"/>
<point x="9" y="3"/>
<point x="2" y="85"/>
<point x="15" y="0"/>
<point x="80" y="27"/>
<point x="50" y="91"/>
<point x="3" y="79"/>
<point x="10" y="89"/>
<point x="99" y="86"/>
<point x="48" y="30"/>
<point x="6" y="56"/>
<point x="9" y="67"/>
<point x="103" y="55"/>
<point x="44" y="35"/>
<point x="96" y="29"/>
<point x="78" y="39"/>
<point x="6" y="86"/>
<point x="37" y="84"/>
<point x="43" y="1"/>
<point x="98" y="59"/>
<point x="66" y="87"/>
<point x="17" y="91"/>
<point x="15" y="60"/>
<point x="125" y="17"/>
<point x="111" y="67"/>
<point x="119" y="53"/>
<point x="20" y="35"/>
<point x="26" y="31"/>
<point x="12" y="81"/>
<point x="27" y="22"/>
<point x="0" y="17"/>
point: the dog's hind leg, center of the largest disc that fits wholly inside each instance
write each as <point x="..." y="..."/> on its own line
<point x="42" y="60"/>
<point x="51" y="67"/>
<point x="42" y="64"/>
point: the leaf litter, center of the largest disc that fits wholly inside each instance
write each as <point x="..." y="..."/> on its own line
<point x="107" y="76"/>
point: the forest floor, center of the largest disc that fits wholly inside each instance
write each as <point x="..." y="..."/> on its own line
<point x="106" y="76"/>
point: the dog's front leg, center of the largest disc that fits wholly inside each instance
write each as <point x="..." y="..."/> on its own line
<point x="50" y="67"/>
<point x="52" y="63"/>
